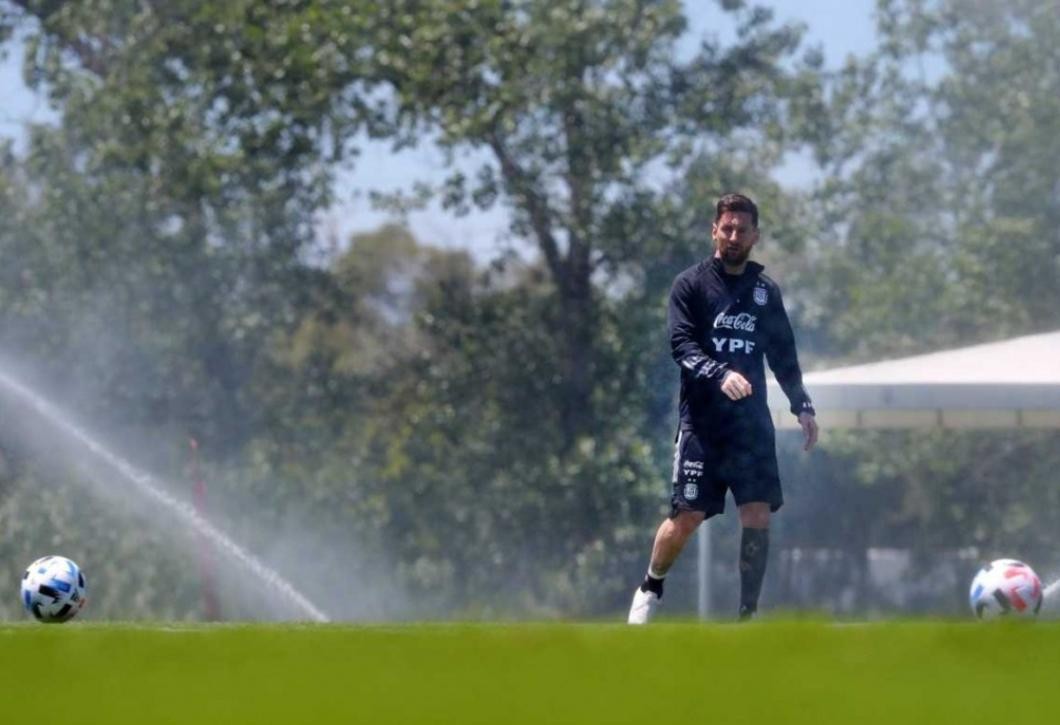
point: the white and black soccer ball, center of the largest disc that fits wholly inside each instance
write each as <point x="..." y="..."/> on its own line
<point x="53" y="589"/>
<point x="1006" y="588"/>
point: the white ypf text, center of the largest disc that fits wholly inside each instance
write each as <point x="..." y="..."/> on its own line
<point x="732" y="344"/>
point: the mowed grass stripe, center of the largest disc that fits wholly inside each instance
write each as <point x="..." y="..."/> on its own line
<point x="765" y="672"/>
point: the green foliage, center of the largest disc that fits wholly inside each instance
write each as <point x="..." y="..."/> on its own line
<point x="938" y="228"/>
<point x="580" y="113"/>
<point x="940" y="183"/>
<point x="53" y="509"/>
<point x="491" y="441"/>
<point x="460" y="462"/>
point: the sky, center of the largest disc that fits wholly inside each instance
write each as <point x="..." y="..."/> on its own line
<point x="840" y="27"/>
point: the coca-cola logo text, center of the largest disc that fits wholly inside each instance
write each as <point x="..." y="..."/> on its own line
<point x="742" y="321"/>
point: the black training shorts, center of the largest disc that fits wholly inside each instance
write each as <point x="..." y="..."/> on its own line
<point x="706" y="466"/>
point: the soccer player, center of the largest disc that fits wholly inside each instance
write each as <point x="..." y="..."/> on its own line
<point x="726" y="315"/>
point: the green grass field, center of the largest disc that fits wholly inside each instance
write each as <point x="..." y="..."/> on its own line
<point x="763" y="673"/>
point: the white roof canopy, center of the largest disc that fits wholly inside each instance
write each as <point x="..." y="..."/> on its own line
<point x="1008" y="384"/>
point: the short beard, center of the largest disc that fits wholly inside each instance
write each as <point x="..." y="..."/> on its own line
<point x="735" y="259"/>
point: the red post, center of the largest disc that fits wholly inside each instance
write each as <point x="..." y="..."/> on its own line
<point x="211" y="603"/>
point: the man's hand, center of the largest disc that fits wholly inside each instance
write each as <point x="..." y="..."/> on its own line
<point x="735" y="386"/>
<point x="809" y="429"/>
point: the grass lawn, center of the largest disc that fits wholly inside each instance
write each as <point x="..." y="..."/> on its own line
<point x="765" y="673"/>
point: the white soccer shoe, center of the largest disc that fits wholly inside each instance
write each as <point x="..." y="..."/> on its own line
<point x="643" y="607"/>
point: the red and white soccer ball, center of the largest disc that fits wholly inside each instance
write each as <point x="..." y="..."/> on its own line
<point x="1006" y="588"/>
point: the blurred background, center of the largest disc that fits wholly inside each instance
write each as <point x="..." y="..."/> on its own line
<point x="387" y="281"/>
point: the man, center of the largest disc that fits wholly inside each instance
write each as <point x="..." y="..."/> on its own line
<point x="725" y="316"/>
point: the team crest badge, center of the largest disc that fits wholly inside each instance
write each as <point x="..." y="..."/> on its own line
<point x="691" y="491"/>
<point x="761" y="296"/>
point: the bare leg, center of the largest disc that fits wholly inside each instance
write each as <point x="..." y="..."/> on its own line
<point x="670" y="539"/>
<point x="755" y="515"/>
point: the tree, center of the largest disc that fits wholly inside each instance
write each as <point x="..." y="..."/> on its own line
<point x="517" y="397"/>
<point x="938" y="180"/>
<point x="938" y="229"/>
<point x="580" y="112"/>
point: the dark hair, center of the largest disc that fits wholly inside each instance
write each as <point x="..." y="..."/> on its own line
<point x="737" y="202"/>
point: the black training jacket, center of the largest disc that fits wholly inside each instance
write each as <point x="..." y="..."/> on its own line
<point x="720" y="322"/>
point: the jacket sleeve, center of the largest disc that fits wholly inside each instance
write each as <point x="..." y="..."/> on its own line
<point x="684" y="337"/>
<point x="783" y="359"/>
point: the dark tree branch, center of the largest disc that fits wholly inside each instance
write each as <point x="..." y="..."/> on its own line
<point x="536" y="206"/>
<point x="578" y="180"/>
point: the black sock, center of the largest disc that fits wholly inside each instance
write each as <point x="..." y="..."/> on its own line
<point x="754" y="551"/>
<point x="651" y="584"/>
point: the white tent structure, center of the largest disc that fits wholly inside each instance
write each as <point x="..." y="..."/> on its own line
<point x="1001" y="385"/>
<point x="1009" y="384"/>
